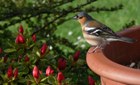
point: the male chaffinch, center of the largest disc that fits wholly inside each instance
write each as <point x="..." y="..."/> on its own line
<point x="96" y="33"/>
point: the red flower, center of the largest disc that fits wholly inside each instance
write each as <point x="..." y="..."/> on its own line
<point x="49" y="71"/>
<point x="9" y="72"/>
<point x="20" y="39"/>
<point x="21" y="29"/>
<point x="61" y="63"/>
<point x="26" y="58"/>
<point x="76" y="55"/>
<point x="0" y="50"/>
<point x="16" y="73"/>
<point x="91" y="81"/>
<point x="60" y="77"/>
<point x="36" y="72"/>
<point x="43" y="49"/>
<point x="34" y="38"/>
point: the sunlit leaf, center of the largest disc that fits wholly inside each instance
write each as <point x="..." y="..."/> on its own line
<point x="9" y="50"/>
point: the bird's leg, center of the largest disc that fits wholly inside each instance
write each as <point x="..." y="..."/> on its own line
<point x="94" y="49"/>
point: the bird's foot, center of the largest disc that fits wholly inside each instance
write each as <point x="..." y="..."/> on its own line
<point x="93" y="49"/>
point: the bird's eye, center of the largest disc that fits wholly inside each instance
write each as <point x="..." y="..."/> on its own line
<point x="80" y="17"/>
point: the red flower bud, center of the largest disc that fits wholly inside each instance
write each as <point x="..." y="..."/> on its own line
<point x="61" y="63"/>
<point x="60" y="77"/>
<point x="20" y="39"/>
<point x="26" y="58"/>
<point x="49" y="71"/>
<point x="91" y="81"/>
<point x="9" y="72"/>
<point x="16" y="73"/>
<point x="40" y="72"/>
<point x="34" y="38"/>
<point x="5" y="58"/>
<point x="76" y="55"/>
<point x="36" y="72"/>
<point x="43" y="49"/>
<point x="21" y="29"/>
<point x="0" y="50"/>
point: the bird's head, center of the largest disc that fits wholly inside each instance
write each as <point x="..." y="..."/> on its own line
<point x="83" y="17"/>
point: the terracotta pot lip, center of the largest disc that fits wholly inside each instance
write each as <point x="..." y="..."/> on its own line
<point x="133" y="28"/>
<point x="104" y="67"/>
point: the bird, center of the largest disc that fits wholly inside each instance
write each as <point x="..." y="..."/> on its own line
<point x="96" y="33"/>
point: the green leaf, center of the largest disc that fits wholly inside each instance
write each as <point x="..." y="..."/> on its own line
<point x="81" y="62"/>
<point x="51" y="80"/>
<point x="43" y="84"/>
<point x="1" y="31"/>
<point x="9" y="50"/>
<point x="43" y="79"/>
<point x="5" y="83"/>
<point x="68" y="80"/>
<point x="31" y="78"/>
<point x="23" y="70"/>
<point x="38" y="53"/>
<point x="31" y="45"/>
<point x="22" y="80"/>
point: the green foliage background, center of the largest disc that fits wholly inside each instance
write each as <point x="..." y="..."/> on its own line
<point x="52" y="21"/>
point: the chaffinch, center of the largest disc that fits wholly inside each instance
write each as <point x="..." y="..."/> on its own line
<point x="96" y="33"/>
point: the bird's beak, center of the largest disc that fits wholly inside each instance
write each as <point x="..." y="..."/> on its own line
<point x="75" y="17"/>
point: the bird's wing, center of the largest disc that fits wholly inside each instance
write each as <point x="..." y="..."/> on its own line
<point x="94" y="31"/>
<point x="107" y="30"/>
<point x="98" y="29"/>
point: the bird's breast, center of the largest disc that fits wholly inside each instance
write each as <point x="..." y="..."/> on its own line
<point x="92" y="40"/>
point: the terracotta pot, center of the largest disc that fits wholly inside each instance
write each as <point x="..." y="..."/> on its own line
<point x="110" y="62"/>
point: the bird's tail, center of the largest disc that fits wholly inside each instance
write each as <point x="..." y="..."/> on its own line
<point x="122" y="39"/>
<point x="126" y="39"/>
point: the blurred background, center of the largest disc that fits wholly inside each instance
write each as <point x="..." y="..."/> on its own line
<point x="54" y="17"/>
<point x="52" y="22"/>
